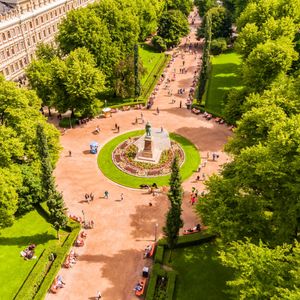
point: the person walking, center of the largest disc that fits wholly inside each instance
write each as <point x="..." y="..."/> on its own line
<point x="106" y="194"/>
<point x="98" y="295"/>
<point x="122" y="197"/>
<point x="180" y="104"/>
<point x="70" y="153"/>
<point x="157" y="110"/>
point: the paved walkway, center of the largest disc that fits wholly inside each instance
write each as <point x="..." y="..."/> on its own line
<point x="112" y="258"/>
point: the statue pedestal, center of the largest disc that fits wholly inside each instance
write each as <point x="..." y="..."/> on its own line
<point x="148" y="148"/>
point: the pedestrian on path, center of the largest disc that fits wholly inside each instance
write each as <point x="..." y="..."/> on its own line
<point x="98" y="295"/>
<point x="157" y="110"/>
<point x="106" y="194"/>
<point x="180" y="104"/>
<point x="70" y="153"/>
<point x="122" y="197"/>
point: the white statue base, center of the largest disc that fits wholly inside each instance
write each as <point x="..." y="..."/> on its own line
<point x="150" y="148"/>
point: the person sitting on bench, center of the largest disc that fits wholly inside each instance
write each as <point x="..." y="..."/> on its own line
<point x="138" y="287"/>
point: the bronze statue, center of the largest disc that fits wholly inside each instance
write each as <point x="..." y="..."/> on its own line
<point x="148" y="129"/>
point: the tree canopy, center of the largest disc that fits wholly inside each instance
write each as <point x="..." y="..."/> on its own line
<point x="20" y="176"/>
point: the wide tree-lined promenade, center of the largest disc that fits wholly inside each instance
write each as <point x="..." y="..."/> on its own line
<point x="112" y="257"/>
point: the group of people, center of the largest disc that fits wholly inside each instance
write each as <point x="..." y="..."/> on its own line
<point x="71" y="259"/>
<point x="194" y="195"/>
<point x="57" y="284"/>
<point x="28" y="253"/>
<point x="89" y="197"/>
<point x="194" y="229"/>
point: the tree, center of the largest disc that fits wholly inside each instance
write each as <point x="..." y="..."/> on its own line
<point x="172" y="26"/>
<point x="261" y="272"/>
<point x="173" y="218"/>
<point x="266" y="62"/>
<point x="220" y="22"/>
<point x="258" y="193"/>
<point x="19" y="160"/>
<point x="46" y="167"/>
<point x="251" y="35"/>
<point x="54" y="199"/>
<point x="57" y="210"/>
<point x="122" y="23"/>
<point x="137" y="83"/>
<point x="83" y="28"/>
<point x="10" y="181"/>
<point x="185" y="6"/>
<point x="204" y="5"/>
<point x="205" y="57"/>
<point x="124" y="81"/>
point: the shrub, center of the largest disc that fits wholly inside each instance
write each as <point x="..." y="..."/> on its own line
<point x="171" y="284"/>
<point x="159" y="255"/>
<point x="218" y="46"/>
<point x="65" y="122"/>
<point x="159" y="43"/>
<point x="190" y="239"/>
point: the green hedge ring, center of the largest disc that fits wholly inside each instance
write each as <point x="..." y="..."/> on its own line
<point x="112" y="172"/>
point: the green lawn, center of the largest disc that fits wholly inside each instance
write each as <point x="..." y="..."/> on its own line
<point x="31" y="228"/>
<point x="225" y="75"/>
<point x="150" y="57"/>
<point x="108" y="168"/>
<point x="200" y="274"/>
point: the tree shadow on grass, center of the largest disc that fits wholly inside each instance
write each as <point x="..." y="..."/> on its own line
<point x="40" y="238"/>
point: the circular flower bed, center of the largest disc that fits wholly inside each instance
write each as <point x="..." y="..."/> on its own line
<point x="124" y="158"/>
<point x="113" y="173"/>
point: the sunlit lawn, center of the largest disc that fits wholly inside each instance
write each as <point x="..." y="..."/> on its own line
<point x="150" y="57"/>
<point x="30" y="229"/>
<point x="225" y="75"/>
<point x="201" y="276"/>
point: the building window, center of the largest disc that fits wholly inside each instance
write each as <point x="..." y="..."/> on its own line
<point x="33" y="39"/>
<point x="7" y="53"/>
<point x="16" y="66"/>
<point x="6" y="71"/>
<point x="12" y="68"/>
<point x="39" y="35"/>
<point x="8" y="34"/>
<point x="12" y="50"/>
<point x="3" y="36"/>
<point x="30" y="24"/>
<point x="36" y="21"/>
<point x="21" y="63"/>
<point x="44" y="32"/>
<point x="28" y="42"/>
<point x="49" y="30"/>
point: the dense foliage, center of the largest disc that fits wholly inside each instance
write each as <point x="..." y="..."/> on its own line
<point x="20" y="176"/>
<point x="97" y="44"/>
<point x="254" y="203"/>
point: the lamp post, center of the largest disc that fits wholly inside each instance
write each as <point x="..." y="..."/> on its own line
<point x="155" y="232"/>
<point x="83" y="216"/>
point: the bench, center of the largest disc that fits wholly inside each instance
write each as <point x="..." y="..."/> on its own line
<point x="142" y="283"/>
